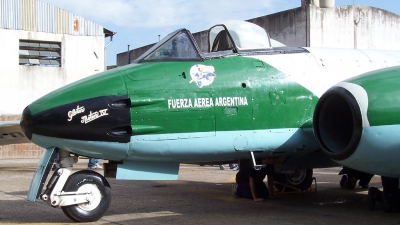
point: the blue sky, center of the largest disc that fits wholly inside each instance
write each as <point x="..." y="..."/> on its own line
<point x="140" y="22"/>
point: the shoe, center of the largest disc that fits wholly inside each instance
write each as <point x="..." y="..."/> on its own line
<point x="221" y="167"/>
<point x="95" y="167"/>
<point x="234" y="190"/>
<point x="98" y="166"/>
<point x="232" y="166"/>
<point x="371" y="199"/>
<point x="236" y="167"/>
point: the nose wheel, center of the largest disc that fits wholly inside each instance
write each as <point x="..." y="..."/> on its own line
<point x="97" y="192"/>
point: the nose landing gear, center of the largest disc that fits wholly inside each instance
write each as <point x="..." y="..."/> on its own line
<point x="83" y="196"/>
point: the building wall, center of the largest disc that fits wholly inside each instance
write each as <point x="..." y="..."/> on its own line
<point x="202" y="40"/>
<point x="122" y="58"/>
<point x="20" y="85"/>
<point x="352" y="26"/>
<point x="288" y="27"/>
<point x="361" y="27"/>
<point x="81" y="56"/>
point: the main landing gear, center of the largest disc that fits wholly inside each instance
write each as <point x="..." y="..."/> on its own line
<point x="297" y="180"/>
<point x="83" y="196"/>
<point x="300" y="180"/>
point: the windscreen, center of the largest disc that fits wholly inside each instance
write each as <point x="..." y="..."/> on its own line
<point x="179" y="47"/>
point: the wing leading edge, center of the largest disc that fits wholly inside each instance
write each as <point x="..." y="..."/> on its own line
<point x="11" y="133"/>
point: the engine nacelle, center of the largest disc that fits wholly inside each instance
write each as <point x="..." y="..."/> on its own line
<point x="357" y="122"/>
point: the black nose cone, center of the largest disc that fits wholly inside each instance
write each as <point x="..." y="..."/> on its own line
<point x="104" y="118"/>
<point x="27" y="123"/>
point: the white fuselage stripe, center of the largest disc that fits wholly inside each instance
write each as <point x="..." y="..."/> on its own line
<point x="320" y="69"/>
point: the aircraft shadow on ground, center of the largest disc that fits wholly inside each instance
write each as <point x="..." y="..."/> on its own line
<point x="171" y="202"/>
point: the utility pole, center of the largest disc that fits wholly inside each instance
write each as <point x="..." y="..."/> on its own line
<point x="129" y="55"/>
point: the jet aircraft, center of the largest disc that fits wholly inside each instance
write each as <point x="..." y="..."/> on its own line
<point x="246" y="97"/>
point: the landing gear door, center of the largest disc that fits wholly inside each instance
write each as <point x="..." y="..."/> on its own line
<point x="41" y="173"/>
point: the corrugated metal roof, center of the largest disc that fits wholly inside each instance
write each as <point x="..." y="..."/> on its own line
<point x="62" y="21"/>
<point x="29" y="12"/>
<point x="11" y="13"/>
<point x="35" y="15"/>
<point x="45" y="17"/>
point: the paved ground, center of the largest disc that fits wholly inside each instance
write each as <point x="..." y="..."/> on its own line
<point x="202" y="195"/>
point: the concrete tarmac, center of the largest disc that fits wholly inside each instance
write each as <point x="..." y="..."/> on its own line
<point x="201" y="195"/>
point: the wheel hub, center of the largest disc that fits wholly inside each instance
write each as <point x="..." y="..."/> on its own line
<point x="93" y="197"/>
<point x="297" y="177"/>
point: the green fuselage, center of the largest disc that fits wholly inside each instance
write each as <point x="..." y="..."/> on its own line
<point x="166" y="101"/>
<point x="246" y="94"/>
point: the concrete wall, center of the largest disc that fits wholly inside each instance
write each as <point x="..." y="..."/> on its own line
<point x="20" y="85"/>
<point x="288" y="27"/>
<point x="361" y="27"/>
<point x="353" y="26"/>
<point x="202" y="40"/>
<point x="122" y="58"/>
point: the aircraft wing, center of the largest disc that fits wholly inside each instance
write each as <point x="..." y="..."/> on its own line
<point x="11" y="133"/>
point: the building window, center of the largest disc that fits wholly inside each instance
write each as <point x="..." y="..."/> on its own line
<point x="39" y="53"/>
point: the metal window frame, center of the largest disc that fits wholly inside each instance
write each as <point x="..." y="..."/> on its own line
<point x="39" y="53"/>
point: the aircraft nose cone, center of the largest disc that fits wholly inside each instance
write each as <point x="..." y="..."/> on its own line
<point x="27" y="123"/>
<point x="105" y="118"/>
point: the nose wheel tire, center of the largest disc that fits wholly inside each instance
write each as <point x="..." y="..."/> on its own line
<point x="99" y="198"/>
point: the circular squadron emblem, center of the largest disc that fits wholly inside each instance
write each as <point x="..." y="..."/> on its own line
<point x="202" y="75"/>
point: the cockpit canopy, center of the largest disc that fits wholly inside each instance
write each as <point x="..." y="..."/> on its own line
<point x="238" y="36"/>
<point x="233" y="35"/>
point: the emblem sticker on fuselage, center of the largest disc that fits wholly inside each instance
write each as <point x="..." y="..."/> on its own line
<point x="202" y="75"/>
<point x="86" y="118"/>
<point x="94" y="116"/>
<point x="75" y="112"/>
